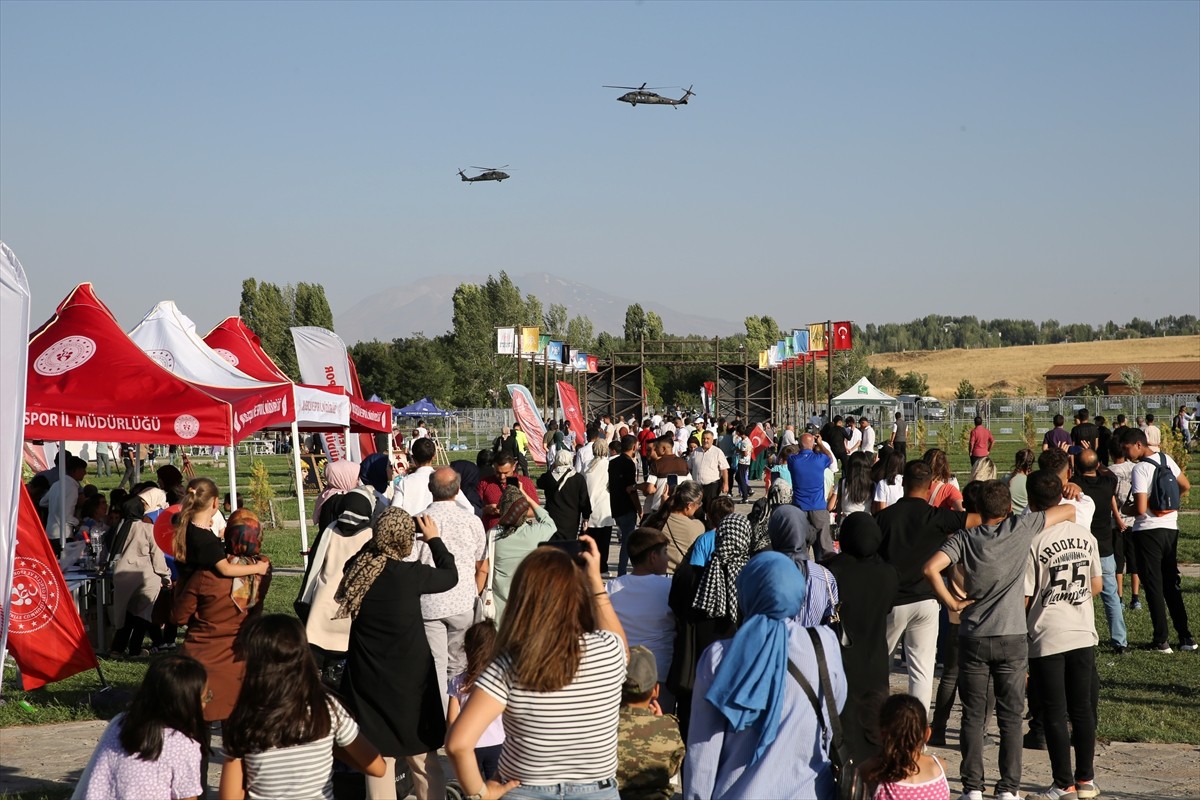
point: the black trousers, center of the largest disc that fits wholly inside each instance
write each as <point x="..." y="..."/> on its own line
<point x="1066" y="684"/>
<point x="129" y="636"/>
<point x="1158" y="567"/>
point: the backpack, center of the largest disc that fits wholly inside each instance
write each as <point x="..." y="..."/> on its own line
<point x="1163" y="496"/>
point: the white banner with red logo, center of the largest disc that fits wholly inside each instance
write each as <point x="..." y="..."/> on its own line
<point x="568" y="398"/>
<point x="321" y="355"/>
<point x="14" y="334"/>
<point x="525" y="410"/>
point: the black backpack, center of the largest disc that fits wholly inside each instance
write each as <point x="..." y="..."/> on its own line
<point x="1163" y="496"/>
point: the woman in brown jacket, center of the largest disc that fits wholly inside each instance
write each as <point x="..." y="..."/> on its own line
<point x="215" y="608"/>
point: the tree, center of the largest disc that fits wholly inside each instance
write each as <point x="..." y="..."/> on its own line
<point x="761" y="333"/>
<point x="555" y="320"/>
<point x="266" y="310"/>
<point x="636" y="328"/>
<point x="580" y="334"/>
<point x="914" y="383"/>
<point x="311" y="306"/>
<point x="966" y="391"/>
<point x="1133" y="378"/>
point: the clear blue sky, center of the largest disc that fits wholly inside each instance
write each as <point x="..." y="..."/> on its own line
<point x="874" y="161"/>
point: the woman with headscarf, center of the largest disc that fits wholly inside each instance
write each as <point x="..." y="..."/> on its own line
<point x="390" y="684"/>
<point x="754" y="733"/>
<point x="215" y="608"/>
<point x="567" y="499"/>
<point x="468" y="478"/>
<point x="139" y="573"/>
<point x="328" y="636"/>
<point x="601" y="522"/>
<point x="340" y="477"/>
<point x="868" y="586"/>
<point x="704" y="601"/>
<point x="792" y="536"/>
<point x="376" y="472"/>
<point x="522" y="527"/>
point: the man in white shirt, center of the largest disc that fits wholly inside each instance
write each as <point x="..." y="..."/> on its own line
<point x="448" y="614"/>
<point x="583" y="453"/>
<point x="58" y="526"/>
<point x="1156" y="538"/>
<point x="412" y="492"/>
<point x="710" y="469"/>
<point x="868" y="438"/>
<point x="855" y="441"/>
<point x="1059" y="463"/>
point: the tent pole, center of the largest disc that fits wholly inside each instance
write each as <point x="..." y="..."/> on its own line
<point x="62" y="495"/>
<point x="300" y="492"/>
<point x="346" y="438"/>
<point x="233" y="498"/>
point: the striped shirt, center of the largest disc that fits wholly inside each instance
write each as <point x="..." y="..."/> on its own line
<point x="568" y="736"/>
<point x="302" y="771"/>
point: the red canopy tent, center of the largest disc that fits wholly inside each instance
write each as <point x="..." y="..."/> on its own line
<point x="86" y="378"/>
<point x="242" y="348"/>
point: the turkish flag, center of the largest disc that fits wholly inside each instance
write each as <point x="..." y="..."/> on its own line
<point x="843" y="336"/>
<point x="45" y="633"/>
<point x="760" y="440"/>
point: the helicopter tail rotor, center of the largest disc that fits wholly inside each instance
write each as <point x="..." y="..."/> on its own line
<point x="686" y="94"/>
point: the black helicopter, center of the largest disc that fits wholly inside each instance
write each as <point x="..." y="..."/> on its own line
<point x="488" y="174"/>
<point x="641" y="94"/>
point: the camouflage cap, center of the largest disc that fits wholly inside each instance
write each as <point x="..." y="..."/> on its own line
<point x="642" y="672"/>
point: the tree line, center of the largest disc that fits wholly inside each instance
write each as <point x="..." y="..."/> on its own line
<point x="460" y="368"/>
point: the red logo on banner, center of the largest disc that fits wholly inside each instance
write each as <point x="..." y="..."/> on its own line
<point x="843" y="333"/>
<point x="46" y="636"/>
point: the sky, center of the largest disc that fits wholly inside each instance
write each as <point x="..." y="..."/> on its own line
<point x="870" y="161"/>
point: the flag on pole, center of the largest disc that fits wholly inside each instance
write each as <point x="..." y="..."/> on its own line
<point x="593" y="363"/>
<point x="506" y="341"/>
<point x="568" y="398"/>
<point x="760" y="440"/>
<point x="708" y="391"/>
<point x="323" y="361"/>
<point x="816" y="338"/>
<point x="554" y="352"/>
<point x="579" y="360"/>
<point x="47" y="638"/>
<point x="843" y="335"/>
<point x="14" y="354"/>
<point x="543" y="343"/>
<point x="764" y="359"/>
<point x="529" y="340"/>
<point x="800" y="340"/>
<point x="525" y="410"/>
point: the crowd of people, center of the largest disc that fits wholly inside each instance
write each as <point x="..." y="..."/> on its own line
<point x="727" y="649"/>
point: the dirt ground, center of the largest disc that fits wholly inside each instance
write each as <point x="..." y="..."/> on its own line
<point x="50" y="758"/>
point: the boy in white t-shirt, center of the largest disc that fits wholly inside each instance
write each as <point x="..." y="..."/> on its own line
<point x="1156" y="539"/>
<point x="1062" y="574"/>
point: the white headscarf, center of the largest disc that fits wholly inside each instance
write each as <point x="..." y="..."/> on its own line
<point x="563" y="468"/>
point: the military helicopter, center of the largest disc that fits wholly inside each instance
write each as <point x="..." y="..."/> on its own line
<point x="488" y="174"/>
<point x="641" y="94"/>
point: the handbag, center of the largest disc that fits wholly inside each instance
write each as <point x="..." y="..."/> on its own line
<point x="850" y="784"/>
<point x="835" y="616"/>
<point x="485" y="603"/>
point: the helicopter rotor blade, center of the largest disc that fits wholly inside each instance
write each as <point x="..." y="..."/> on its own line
<point x="642" y="88"/>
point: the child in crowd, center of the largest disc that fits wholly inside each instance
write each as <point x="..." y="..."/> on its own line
<point x="153" y="750"/>
<point x="280" y="739"/>
<point x="649" y="748"/>
<point x="479" y="643"/>
<point x="196" y="547"/>
<point x="993" y="633"/>
<point x="902" y="771"/>
<point x="1062" y="575"/>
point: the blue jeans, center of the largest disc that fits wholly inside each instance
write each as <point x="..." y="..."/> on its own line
<point x="1112" y="602"/>
<point x="597" y="790"/>
<point x="1005" y="659"/>
<point x="626" y="523"/>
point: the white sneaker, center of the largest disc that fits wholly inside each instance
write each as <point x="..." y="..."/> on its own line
<point x="973" y="795"/>
<point x="1007" y="796"/>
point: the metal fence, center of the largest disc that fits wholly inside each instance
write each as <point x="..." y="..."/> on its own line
<point x="1005" y="416"/>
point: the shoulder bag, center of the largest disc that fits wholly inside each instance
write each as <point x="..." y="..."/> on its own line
<point x="485" y="603"/>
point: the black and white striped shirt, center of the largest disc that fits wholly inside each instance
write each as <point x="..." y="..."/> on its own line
<point x="302" y="770"/>
<point x="568" y="736"/>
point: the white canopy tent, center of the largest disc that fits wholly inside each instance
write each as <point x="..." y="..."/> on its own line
<point x="863" y="394"/>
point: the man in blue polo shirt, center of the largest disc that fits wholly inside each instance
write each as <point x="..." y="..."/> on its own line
<point x="807" y="469"/>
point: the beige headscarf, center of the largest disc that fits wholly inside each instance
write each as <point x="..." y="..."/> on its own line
<point x="392" y="541"/>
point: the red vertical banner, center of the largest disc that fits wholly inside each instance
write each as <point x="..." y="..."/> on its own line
<point x="568" y="398"/>
<point x="366" y="442"/>
<point x="46" y="635"/>
<point x="593" y="363"/>
<point x="843" y="336"/>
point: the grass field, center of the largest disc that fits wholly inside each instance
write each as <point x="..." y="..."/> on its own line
<point x="1023" y="367"/>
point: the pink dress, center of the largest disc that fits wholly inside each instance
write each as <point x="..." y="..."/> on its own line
<point x="936" y="789"/>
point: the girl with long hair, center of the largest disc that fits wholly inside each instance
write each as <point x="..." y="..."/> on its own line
<point x="903" y="771"/>
<point x="195" y="546"/>
<point x="944" y="492"/>
<point x="856" y="488"/>
<point x="154" y="749"/>
<point x="479" y="643"/>
<point x="889" y="486"/>
<point x="282" y="737"/>
<point x="983" y="470"/>
<point x="557" y="675"/>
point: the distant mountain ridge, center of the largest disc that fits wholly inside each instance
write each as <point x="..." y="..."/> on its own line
<point x="426" y="306"/>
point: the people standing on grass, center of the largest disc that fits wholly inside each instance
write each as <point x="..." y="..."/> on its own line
<point x="1101" y="487"/>
<point x="1123" y="548"/>
<point x="1156" y="538"/>
<point x="980" y="442"/>
<point x="899" y="439"/>
<point x="1022" y="465"/>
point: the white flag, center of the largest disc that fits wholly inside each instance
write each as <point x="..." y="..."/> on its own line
<point x="14" y="354"/>
<point x="321" y="355"/>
